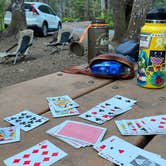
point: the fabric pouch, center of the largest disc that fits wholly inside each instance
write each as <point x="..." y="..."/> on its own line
<point x="114" y="66"/>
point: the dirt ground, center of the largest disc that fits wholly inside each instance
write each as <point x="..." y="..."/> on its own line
<point x="41" y="62"/>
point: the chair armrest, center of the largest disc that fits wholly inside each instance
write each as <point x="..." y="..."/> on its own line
<point x="11" y="47"/>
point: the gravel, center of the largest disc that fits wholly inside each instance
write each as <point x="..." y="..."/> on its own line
<point x="41" y="62"/>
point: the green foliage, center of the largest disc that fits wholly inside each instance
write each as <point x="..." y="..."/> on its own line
<point x="161" y="3"/>
<point x="2" y="5"/>
<point x="67" y="19"/>
<point x="108" y="19"/>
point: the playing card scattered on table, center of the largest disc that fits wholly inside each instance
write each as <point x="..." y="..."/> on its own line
<point x="62" y="106"/>
<point x="123" y="153"/>
<point x="108" y="109"/>
<point x="9" y="134"/>
<point x="26" y="120"/>
<point x="78" y="134"/>
<point x="143" y="126"/>
<point x="43" y="154"/>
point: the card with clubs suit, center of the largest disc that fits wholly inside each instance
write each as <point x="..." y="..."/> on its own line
<point x="144" y="126"/>
<point x="26" y="120"/>
<point x="97" y="114"/>
<point x="43" y="154"/>
<point x="108" y="109"/>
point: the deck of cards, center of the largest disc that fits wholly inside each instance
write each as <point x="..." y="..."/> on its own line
<point x="43" y="154"/>
<point x="143" y="126"/>
<point x="9" y="134"/>
<point x="78" y="134"/>
<point x="61" y="106"/>
<point x="26" y="120"/>
<point x="108" y="109"/>
<point x="123" y="153"/>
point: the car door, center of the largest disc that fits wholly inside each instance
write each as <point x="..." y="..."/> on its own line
<point x="48" y="16"/>
<point x="54" y="20"/>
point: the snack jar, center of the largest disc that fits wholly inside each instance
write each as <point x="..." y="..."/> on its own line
<point x="152" y="51"/>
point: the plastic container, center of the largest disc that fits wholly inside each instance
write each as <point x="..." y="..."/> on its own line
<point x="107" y="68"/>
<point x="98" y="38"/>
<point x="152" y="51"/>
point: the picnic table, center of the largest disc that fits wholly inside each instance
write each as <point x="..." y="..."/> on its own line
<point x="88" y="92"/>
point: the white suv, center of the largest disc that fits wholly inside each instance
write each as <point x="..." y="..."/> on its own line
<point x="39" y="17"/>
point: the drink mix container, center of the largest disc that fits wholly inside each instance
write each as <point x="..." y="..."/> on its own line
<point x="152" y="51"/>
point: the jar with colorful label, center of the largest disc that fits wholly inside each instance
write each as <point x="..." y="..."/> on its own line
<point x="152" y="51"/>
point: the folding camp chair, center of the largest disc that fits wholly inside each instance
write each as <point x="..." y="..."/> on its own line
<point x="24" y="42"/>
<point x="64" y="38"/>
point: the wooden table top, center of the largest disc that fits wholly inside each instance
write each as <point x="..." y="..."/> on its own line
<point x="88" y="92"/>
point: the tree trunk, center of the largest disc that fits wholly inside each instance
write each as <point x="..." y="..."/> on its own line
<point x="18" y="21"/>
<point x="119" y="17"/>
<point x="60" y="8"/>
<point x="103" y="7"/>
<point x="86" y="10"/>
<point x="137" y="18"/>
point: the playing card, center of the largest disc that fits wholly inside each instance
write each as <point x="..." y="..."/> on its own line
<point x="62" y="113"/>
<point x="113" y="107"/>
<point x="121" y="126"/>
<point x="43" y="154"/>
<point x="156" y="124"/>
<point x="97" y="114"/>
<point x="123" y="101"/>
<point x="80" y="132"/>
<point x="113" y="149"/>
<point x="119" y="151"/>
<point x="71" y="142"/>
<point x="26" y="120"/>
<point x="143" y="126"/>
<point x="118" y="104"/>
<point x="9" y="134"/>
<point x="62" y="102"/>
<point x="132" y="127"/>
<point x="141" y="160"/>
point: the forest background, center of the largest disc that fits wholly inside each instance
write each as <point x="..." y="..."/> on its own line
<point x="122" y="15"/>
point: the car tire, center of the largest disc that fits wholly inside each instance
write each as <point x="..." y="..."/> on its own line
<point x="44" y="29"/>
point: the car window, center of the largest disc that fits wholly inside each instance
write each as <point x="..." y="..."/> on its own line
<point x="51" y="11"/>
<point x="44" y="9"/>
<point x="27" y="6"/>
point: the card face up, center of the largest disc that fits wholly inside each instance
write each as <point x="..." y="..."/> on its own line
<point x="43" y="154"/>
<point x="61" y="106"/>
<point x="144" y="126"/>
<point x="108" y="109"/>
<point x="62" y="113"/>
<point x="9" y="134"/>
<point x="123" y="153"/>
<point x="62" y="102"/>
<point x="26" y="120"/>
